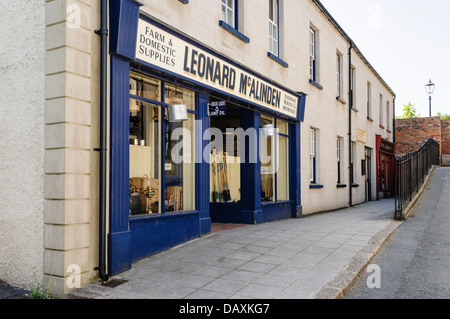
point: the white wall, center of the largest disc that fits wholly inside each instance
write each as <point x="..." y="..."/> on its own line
<point x="22" y="89"/>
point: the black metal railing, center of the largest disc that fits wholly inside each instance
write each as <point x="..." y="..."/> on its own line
<point x="411" y="170"/>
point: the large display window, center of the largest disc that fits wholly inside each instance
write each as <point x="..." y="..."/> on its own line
<point x="151" y="184"/>
<point x="274" y="154"/>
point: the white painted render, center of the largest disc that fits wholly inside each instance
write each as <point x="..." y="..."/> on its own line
<point x="22" y="90"/>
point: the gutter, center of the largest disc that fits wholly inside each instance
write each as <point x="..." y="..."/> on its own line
<point x="103" y="33"/>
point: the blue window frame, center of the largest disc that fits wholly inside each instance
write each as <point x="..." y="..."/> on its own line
<point x="230" y="19"/>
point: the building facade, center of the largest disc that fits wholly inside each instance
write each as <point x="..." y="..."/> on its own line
<point x="159" y="118"/>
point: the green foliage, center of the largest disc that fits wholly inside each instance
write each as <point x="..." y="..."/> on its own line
<point x="39" y="292"/>
<point x="409" y="112"/>
<point x="444" y="116"/>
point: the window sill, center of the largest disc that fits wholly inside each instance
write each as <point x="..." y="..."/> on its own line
<point x="341" y="186"/>
<point x="277" y="60"/>
<point x="340" y="100"/>
<point x="370" y="119"/>
<point x="315" y="186"/>
<point x="184" y="1"/>
<point x="355" y="109"/>
<point x="355" y="185"/>
<point x="317" y="85"/>
<point x="381" y="126"/>
<point x="233" y="31"/>
<point x="389" y="131"/>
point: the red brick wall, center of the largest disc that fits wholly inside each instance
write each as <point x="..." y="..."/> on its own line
<point x="445" y="137"/>
<point x="411" y="134"/>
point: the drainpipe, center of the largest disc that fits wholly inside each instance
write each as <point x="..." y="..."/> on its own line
<point x="103" y="33"/>
<point x="350" y="104"/>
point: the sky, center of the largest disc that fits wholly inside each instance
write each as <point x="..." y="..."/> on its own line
<point x="407" y="42"/>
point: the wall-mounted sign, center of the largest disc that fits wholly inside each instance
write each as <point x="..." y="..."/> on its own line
<point x="218" y="108"/>
<point x="386" y="146"/>
<point x="171" y="53"/>
<point x="361" y="136"/>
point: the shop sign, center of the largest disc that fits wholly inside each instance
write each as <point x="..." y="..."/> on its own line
<point x="386" y="147"/>
<point x="217" y="108"/>
<point x="168" y="52"/>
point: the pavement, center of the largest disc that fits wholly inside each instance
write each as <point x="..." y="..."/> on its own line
<point x="316" y="257"/>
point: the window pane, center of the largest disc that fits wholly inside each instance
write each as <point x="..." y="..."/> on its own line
<point x="146" y="87"/>
<point x="178" y="95"/>
<point x="230" y="17"/>
<point x="180" y="165"/>
<point x="267" y="159"/>
<point x="283" y="168"/>
<point x="145" y="148"/>
<point x="271" y="10"/>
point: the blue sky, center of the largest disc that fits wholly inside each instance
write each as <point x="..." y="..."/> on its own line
<point x="407" y="42"/>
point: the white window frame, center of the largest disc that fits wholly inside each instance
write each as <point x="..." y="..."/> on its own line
<point x="339" y="151"/>
<point x="352" y="87"/>
<point x="353" y="162"/>
<point x="274" y="28"/>
<point x="388" y="111"/>
<point x="338" y="74"/>
<point x="381" y="110"/>
<point x="313" y="156"/>
<point x="369" y="100"/>
<point x="312" y="54"/>
<point x="226" y="10"/>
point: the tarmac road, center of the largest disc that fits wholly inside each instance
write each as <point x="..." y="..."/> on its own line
<point x="10" y="292"/>
<point x="414" y="262"/>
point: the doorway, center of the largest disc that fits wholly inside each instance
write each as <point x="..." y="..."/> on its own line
<point x="368" y="170"/>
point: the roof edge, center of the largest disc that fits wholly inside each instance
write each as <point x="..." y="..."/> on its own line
<point x="330" y="18"/>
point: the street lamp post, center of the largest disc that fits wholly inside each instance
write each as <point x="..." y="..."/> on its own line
<point x="430" y="90"/>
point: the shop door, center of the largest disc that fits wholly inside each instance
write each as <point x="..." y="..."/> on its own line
<point x="368" y="183"/>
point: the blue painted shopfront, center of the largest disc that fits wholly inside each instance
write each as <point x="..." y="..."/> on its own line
<point x="135" y="237"/>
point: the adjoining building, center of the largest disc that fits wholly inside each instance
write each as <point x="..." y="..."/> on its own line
<point x="163" y="117"/>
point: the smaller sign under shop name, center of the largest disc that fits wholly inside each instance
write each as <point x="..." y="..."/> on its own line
<point x="217" y="108"/>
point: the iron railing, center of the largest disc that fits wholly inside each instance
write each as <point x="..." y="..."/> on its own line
<point x="410" y="172"/>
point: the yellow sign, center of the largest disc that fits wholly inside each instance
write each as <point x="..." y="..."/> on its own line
<point x="361" y="136"/>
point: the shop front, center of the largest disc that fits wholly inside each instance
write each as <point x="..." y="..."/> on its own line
<point x="385" y="168"/>
<point x="195" y="138"/>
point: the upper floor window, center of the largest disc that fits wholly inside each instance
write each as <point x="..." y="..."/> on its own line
<point x="312" y="54"/>
<point x="352" y="87"/>
<point x="338" y="74"/>
<point x="388" y="117"/>
<point x="229" y="12"/>
<point x="381" y="111"/>
<point x="369" y="100"/>
<point x="273" y="27"/>
<point x="313" y="162"/>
